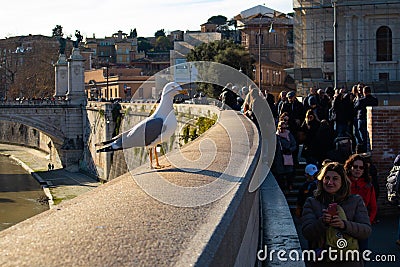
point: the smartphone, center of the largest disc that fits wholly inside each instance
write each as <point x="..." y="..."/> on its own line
<point x="332" y="209"/>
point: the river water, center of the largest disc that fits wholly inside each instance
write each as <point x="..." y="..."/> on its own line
<point x="19" y="194"/>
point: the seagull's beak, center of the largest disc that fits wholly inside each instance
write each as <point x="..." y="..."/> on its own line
<point x="182" y="91"/>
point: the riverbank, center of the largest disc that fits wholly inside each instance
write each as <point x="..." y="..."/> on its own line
<point x="58" y="184"/>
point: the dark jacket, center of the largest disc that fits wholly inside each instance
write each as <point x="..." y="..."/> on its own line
<point x="314" y="230"/>
<point x="296" y="112"/>
<point x="310" y="148"/>
<point x="305" y="191"/>
<point x="360" y="106"/>
<point x="343" y="108"/>
<point x="324" y="141"/>
<point x="229" y="98"/>
<point x="271" y="102"/>
<point x="278" y="167"/>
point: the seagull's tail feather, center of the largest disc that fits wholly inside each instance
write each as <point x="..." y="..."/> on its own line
<point x="104" y="143"/>
<point x="107" y="149"/>
<point x="107" y="141"/>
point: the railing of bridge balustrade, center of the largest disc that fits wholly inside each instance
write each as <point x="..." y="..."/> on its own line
<point x="35" y="102"/>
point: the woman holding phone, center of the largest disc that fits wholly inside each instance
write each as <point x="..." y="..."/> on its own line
<point x="333" y="208"/>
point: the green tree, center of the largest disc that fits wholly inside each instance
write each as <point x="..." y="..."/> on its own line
<point x="224" y="52"/>
<point x="133" y="33"/>
<point x="143" y="44"/>
<point x="159" y="33"/>
<point x="219" y="20"/>
<point x="163" y="44"/>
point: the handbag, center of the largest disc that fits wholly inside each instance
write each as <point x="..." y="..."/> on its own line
<point x="287" y="158"/>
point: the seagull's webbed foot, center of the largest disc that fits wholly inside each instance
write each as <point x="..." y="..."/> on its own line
<point x="157" y="166"/>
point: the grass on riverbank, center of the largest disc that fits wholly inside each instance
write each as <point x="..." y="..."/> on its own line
<point x="58" y="200"/>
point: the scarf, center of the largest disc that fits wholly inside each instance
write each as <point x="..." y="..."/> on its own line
<point x="284" y="134"/>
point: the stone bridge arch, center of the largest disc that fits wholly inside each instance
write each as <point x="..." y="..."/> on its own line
<point x="61" y="121"/>
<point x="47" y="128"/>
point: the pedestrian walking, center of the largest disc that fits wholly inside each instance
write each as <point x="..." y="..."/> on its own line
<point x="283" y="164"/>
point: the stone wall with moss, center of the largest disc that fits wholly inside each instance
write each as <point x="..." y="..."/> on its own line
<point x="103" y="124"/>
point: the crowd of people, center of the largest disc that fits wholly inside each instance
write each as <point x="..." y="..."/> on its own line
<point x="34" y="100"/>
<point x="328" y="129"/>
<point x="327" y="124"/>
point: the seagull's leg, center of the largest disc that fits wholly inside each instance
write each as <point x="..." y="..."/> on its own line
<point x="158" y="166"/>
<point x="151" y="158"/>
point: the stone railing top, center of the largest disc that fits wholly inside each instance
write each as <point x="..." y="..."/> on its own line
<point x="34" y="102"/>
<point x="119" y="224"/>
<point x="384" y="108"/>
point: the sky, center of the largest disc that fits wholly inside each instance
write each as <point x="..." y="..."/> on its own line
<point x="106" y="17"/>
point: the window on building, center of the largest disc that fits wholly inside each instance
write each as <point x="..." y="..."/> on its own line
<point x="328" y="76"/>
<point x="384" y="44"/>
<point x="384" y="76"/>
<point x="328" y="51"/>
<point x="289" y="37"/>
<point x="261" y="36"/>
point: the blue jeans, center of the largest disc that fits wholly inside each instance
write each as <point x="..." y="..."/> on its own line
<point x="357" y="132"/>
<point x="362" y="128"/>
<point x="340" y="129"/>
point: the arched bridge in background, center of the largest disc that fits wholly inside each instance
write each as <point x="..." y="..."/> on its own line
<point x="62" y="121"/>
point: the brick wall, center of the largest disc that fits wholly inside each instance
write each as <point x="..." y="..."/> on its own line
<point x="384" y="132"/>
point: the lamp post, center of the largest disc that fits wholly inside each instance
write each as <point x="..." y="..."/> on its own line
<point x="271" y="30"/>
<point x="190" y="79"/>
<point x="107" y="74"/>
<point x="335" y="72"/>
<point x="259" y="56"/>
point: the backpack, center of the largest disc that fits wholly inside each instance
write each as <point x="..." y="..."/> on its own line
<point x="343" y="148"/>
<point x="392" y="185"/>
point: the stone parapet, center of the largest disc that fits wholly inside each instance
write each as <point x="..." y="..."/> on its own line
<point x="123" y="224"/>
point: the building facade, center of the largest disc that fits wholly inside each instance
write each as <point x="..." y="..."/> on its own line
<point x="268" y="35"/>
<point x="367" y="44"/>
<point x="120" y="84"/>
<point x="119" y="49"/>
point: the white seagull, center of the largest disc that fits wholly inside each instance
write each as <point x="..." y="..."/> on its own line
<point x="151" y="131"/>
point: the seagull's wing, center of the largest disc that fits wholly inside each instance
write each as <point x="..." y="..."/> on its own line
<point x="143" y="134"/>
